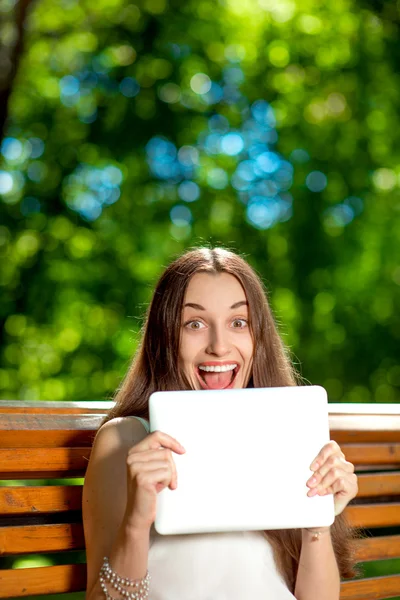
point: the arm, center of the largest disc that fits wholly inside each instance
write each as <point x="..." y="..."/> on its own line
<point x="126" y="471"/>
<point x="318" y="573"/>
<point x="108" y="531"/>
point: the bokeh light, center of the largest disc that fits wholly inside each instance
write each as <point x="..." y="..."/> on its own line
<point x="316" y="181"/>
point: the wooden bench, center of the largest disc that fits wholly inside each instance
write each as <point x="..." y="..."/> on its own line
<point x="52" y="441"/>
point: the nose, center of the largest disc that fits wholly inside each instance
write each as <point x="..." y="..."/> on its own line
<point x="218" y="342"/>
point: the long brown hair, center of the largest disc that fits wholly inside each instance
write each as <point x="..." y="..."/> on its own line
<point x="155" y="368"/>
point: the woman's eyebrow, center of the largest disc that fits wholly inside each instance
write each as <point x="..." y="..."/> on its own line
<point x="199" y="307"/>
<point x="239" y="304"/>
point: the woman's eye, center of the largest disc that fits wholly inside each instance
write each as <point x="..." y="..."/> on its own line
<point x="194" y="325"/>
<point x="239" y="323"/>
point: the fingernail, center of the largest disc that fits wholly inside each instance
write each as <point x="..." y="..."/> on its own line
<point x="312" y="492"/>
<point x="314" y="466"/>
<point x="312" y="481"/>
<point x="182" y="448"/>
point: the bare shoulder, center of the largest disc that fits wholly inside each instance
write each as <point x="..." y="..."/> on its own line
<point x="107" y="462"/>
<point x="120" y="432"/>
<point x="105" y="489"/>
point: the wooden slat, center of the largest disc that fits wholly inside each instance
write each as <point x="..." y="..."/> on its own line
<point x="378" y="548"/>
<point x="379" y="484"/>
<point x="374" y="515"/>
<point x="18" y="422"/>
<point x="43" y="407"/>
<point x="42" y="580"/>
<point x="364" y="408"/>
<point x="372" y="454"/>
<point x="44" y="422"/>
<point x="364" y="437"/>
<point x="29" y="539"/>
<point x="19" y="500"/>
<point x="373" y="588"/>
<point x="33" y="430"/>
<point x="46" y="439"/>
<point x="22" y="463"/>
<point x="364" y="422"/>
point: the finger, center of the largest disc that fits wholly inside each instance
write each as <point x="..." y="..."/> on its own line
<point x="147" y="479"/>
<point x="148" y="455"/>
<point x="149" y="460"/>
<point x="329" y="448"/>
<point x="347" y="485"/>
<point x="156" y="440"/>
<point x="334" y="461"/>
<point x="327" y="481"/>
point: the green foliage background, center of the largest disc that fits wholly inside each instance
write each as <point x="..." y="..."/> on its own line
<point x="74" y="289"/>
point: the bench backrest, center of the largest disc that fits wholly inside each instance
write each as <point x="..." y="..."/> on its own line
<point x="52" y="442"/>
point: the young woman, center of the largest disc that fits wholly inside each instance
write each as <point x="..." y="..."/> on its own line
<point x="209" y="326"/>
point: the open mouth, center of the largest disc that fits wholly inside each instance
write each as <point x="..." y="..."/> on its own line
<point x="217" y="377"/>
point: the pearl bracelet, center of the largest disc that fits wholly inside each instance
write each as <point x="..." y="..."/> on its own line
<point x="122" y="584"/>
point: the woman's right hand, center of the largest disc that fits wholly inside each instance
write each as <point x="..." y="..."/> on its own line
<point x="150" y="469"/>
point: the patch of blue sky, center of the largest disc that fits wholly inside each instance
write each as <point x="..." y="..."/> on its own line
<point x="260" y="173"/>
<point x="188" y="156"/>
<point x="111" y="176"/>
<point x="87" y="205"/>
<point x="240" y="184"/>
<point x="214" y="95"/>
<point x="159" y="146"/>
<point x="263" y="113"/>
<point x="256" y="149"/>
<point x="89" y="189"/>
<point x="166" y="169"/>
<point x="189" y="191"/>
<point x="339" y="215"/>
<point x="110" y="196"/>
<point x="246" y="170"/>
<point x="218" y="123"/>
<point x="37" y="147"/>
<point x="316" y="181"/>
<point x="265" y="187"/>
<point x="180" y="215"/>
<point x="231" y="94"/>
<point x="69" y="85"/>
<point x="268" y="162"/>
<point x="232" y="143"/>
<point x="36" y="171"/>
<point x="233" y="75"/>
<point x="285" y="205"/>
<point x="6" y="182"/>
<point x="284" y="176"/>
<point x="11" y="148"/>
<point x="262" y="213"/>
<point x="129" y="87"/>
<point x="212" y="143"/>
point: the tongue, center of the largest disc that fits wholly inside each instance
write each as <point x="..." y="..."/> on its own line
<point x="217" y="381"/>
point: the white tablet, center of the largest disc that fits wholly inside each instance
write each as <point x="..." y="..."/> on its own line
<point x="248" y="453"/>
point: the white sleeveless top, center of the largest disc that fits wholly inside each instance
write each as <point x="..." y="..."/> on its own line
<point x="213" y="566"/>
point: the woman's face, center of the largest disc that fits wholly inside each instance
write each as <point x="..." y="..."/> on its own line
<point x="216" y="346"/>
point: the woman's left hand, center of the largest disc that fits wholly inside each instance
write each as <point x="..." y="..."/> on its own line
<point x="333" y="474"/>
